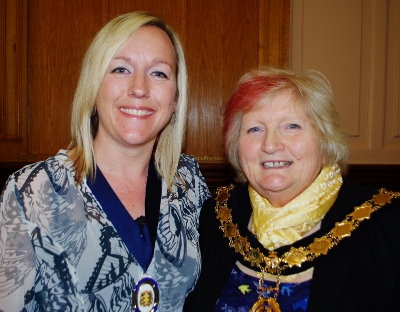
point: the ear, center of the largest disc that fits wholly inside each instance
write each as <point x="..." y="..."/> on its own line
<point x="173" y="118"/>
<point x="325" y="159"/>
<point x="176" y="95"/>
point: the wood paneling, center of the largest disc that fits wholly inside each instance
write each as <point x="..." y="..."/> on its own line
<point x="222" y="48"/>
<point x="13" y="78"/>
<point x="229" y="38"/>
<point x="46" y="41"/>
<point x="356" y="44"/>
<point x="274" y="33"/>
<point x="392" y="113"/>
<point x="58" y="34"/>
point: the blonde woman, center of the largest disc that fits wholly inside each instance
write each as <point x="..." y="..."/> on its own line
<point x="110" y="223"/>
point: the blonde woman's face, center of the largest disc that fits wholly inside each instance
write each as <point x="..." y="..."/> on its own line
<point x="279" y="149"/>
<point x="137" y="96"/>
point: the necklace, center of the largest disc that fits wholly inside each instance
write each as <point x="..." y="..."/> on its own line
<point x="274" y="264"/>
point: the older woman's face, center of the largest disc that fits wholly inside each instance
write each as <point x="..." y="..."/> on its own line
<point x="137" y="96"/>
<point x="279" y="150"/>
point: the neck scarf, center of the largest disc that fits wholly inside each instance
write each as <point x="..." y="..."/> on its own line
<point x="275" y="227"/>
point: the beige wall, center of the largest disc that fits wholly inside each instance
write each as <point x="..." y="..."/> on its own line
<point x="356" y="44"/>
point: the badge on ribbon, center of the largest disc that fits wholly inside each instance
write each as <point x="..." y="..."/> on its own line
<point x="146" y="295"/>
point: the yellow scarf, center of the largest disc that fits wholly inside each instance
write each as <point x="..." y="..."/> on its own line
<point x="275" y="227"/>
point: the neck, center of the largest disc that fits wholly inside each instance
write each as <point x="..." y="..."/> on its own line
<point x="122" y="162"/>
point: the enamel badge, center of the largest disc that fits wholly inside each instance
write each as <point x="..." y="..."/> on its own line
<point x="145" y="296"/>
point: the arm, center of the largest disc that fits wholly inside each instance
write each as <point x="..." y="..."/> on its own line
<point x="17" y="255"/>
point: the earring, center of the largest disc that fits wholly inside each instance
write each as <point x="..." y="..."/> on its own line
<point x="94" y="111"/>
<point x="173" y="119"/>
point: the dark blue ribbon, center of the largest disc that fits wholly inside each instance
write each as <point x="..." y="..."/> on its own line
<point x="139" y="243"/>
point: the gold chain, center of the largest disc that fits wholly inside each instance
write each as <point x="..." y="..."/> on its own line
<point x="274" y="264"/>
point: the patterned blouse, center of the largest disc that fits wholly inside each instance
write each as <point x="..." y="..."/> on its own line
<point x="60" y="252"/>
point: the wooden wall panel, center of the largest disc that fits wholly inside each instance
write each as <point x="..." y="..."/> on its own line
<point x="356" y="45"/>
<point x="223" y="45"/>
<point x="173" y="11"/>
<point x="13" y="96"/>
<point x="392" y="113"/>
<point x="274" y="33"/>
<point x="58" y="35"/>
<point x="226" y="39"/>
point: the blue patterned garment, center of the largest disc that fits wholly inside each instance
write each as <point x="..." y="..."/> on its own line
<point x="240" y="293"/>
<point x="60" y="252"/>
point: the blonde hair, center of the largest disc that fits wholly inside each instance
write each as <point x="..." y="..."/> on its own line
<point x="84" y="122"/>
<point x="311" y="90"/>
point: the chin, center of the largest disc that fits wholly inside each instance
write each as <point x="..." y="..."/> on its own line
<point x="274" y="184"/>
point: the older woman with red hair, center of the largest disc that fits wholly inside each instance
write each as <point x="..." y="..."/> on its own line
<point x="294" y="234"/>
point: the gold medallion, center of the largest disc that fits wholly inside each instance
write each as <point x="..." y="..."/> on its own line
<point x="265" y="305"/>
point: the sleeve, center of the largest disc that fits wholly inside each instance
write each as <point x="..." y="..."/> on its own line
<point x="17" y="256"/>
<point x="35" y="271"/>
<point x="195" y="184"/>
<point x="201" y="186"/>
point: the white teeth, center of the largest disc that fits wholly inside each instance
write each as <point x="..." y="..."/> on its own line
<point x="276" y="164"/>
<point x="136" y="112"/>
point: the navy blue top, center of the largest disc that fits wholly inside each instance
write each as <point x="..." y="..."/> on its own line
<point x="240" y="293"/>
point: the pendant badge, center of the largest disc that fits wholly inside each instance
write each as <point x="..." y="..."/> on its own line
<point x="265" y="305"/>
<point x="145" y="295"/>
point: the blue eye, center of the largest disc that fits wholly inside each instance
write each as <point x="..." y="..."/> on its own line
<point x="160" y="74"/>
<point x="254" y="129"/>
<point x="119" y="70"/>
<point x="294" y="126"/>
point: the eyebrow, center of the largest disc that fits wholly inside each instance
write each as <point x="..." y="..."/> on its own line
<point x="155" y="60"/>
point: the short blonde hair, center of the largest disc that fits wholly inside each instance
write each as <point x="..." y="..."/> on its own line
<point x="311" y="90"/>
<point x="84" y="122"/>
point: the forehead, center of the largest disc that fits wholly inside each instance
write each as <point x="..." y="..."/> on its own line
<point x="150" y="39"/>
<point x="282" y="102"/>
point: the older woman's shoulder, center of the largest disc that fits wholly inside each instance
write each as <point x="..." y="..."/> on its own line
<point x="354" y="191"/>
<point x="385" y="203"/>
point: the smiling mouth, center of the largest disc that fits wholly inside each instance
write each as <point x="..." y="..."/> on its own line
<point x="276" y="164"/>
<point x="136" y="112"/>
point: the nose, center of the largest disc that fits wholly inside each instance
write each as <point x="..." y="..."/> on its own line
<point x="272" y="143"/>
<point x="138" y="85"/>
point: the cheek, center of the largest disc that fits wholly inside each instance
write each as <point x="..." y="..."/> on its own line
<point x="165" y="93"/>
<point x="248" y="157"/>
<point x="313" y="154"/>
<point x="244" y="150"/>
<point x="305" y="148"/>
<point x="109" y="90"/>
